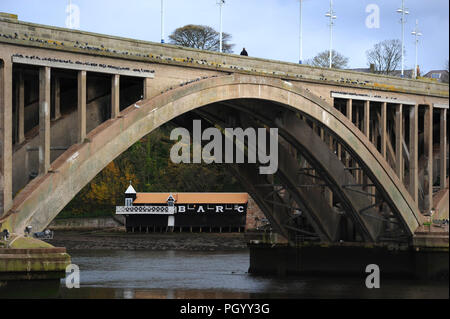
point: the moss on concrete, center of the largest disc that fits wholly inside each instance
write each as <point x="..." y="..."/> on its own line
<point x="28" y="242"/>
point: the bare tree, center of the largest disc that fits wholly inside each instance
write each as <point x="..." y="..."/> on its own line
<point x="323" y="60"/>
<point x="201" y="37"/>
<point x="385" y="56"/>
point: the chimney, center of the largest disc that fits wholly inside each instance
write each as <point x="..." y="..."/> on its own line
<point x="372" y="68"/>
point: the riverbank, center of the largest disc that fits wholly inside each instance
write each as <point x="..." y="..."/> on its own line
<point x="110" y="239"/>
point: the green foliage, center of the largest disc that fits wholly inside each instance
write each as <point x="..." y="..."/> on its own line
<point x="148" y="166"/>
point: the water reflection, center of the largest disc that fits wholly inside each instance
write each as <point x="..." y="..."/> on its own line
<point x="190" y="275"/>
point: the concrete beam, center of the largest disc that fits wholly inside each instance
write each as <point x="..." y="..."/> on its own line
<point x="414" y="152"/>
<point x="361" y="97"/>
<point x="81" y="106"/>
<point x="428" y="151"/>
<point x="44" y="120"/>
<point x="5" y="136"/>
<point x="91" y="67"/>
<point x="115" y="96"/>
<point x="443" y="148"/>
<point x="398" y="141"/>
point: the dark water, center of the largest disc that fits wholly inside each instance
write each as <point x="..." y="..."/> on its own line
<point x="185" y="274"/>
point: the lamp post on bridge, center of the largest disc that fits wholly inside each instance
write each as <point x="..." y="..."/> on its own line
<point x="330" y="14"/>
<point x="403" y="11"/>
<point x="300" y="60"/>
<point x="162" y="21"/>
<point x="220" y="3"/>
<point x="416" y="33"/>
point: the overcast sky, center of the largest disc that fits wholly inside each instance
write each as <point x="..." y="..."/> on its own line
<point x="266" y="28"/>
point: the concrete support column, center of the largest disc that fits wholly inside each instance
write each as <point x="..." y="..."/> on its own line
<point x="348" y="111"/>
<point x="115" y="96"/>
<point x="21" y="110"/>
<point x="443" y="149"/>
<point x="147" y="87"/>
<point x="414" y="152"/>
<point x="81" y="106"/>
<point x="44" y="120"/>
<point x="5" y="136"/>
<point x="383" y="128"/>
<point x="398" y="141"/>
<point x="428" y="150"/>
<point x="57" y="98"/>
<point x="366" y="124"/>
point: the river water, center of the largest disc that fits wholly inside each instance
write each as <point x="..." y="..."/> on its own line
<point x="216" y="274"/>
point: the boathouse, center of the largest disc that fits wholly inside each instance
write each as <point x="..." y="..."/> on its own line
<point x="184" y="212"/>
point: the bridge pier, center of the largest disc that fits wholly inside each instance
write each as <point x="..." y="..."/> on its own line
<point x="5" y="136"/>
<point x="398" y="141"/>
<point x="348" y="259"/>
<point x="428" y="149"/>
<point x="414" y="152"/>
<point x="44" y="120"/>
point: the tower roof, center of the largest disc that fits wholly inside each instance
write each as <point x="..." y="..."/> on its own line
<point x="130" y="190"/>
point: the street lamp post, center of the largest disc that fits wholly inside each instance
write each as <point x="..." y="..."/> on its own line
<point x="300" y="60"/>
<point x="403" y="12"/>
<point x="220" y="3"/>
<point x="162" y="21"/>
<point x="416" y="33"/>
<point x="330" y="14"/>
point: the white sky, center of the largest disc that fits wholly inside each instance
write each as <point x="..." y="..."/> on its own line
<point x="266" y="28"/>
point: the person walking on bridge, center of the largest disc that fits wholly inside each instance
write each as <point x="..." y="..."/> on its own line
<point x="244" y="52"/>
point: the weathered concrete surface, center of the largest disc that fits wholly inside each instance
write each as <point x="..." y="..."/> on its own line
<point x="45" y="196"/>
<point x="441" y="204"/>
<point x="5" y="135"/>
<point x="172" y="92"/>
<point x="59" y="39"/>
<point x="29" y="258"/>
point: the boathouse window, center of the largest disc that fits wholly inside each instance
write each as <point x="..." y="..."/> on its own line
<point x="128" y="202"/>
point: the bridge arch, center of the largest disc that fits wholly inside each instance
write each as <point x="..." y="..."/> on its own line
<point x="45" y="196"/>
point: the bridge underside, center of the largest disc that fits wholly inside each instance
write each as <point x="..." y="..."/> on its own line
<point x="348" y="171"/>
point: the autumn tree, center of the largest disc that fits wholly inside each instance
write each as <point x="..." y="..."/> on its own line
<point x="385" y="56"/>
<point x="201" y="37"/>
<point x="323" y="60"/>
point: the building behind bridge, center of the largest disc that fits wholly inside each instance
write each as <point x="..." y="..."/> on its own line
<point x="184" y="212"/>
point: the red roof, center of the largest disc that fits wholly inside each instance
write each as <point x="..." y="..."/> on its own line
<point x="192" y="198"/>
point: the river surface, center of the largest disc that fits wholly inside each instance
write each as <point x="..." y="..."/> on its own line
<point x="217" y="274"/>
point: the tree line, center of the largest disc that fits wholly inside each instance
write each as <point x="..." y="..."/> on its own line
<point x="147" y="165"/>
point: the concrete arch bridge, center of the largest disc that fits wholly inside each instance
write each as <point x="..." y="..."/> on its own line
<point x="362" y="157"/>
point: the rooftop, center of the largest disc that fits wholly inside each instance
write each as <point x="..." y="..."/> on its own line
<point x="192" y="198"/>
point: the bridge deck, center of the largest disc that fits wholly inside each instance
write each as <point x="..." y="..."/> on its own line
<point x="54" y="38"/>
